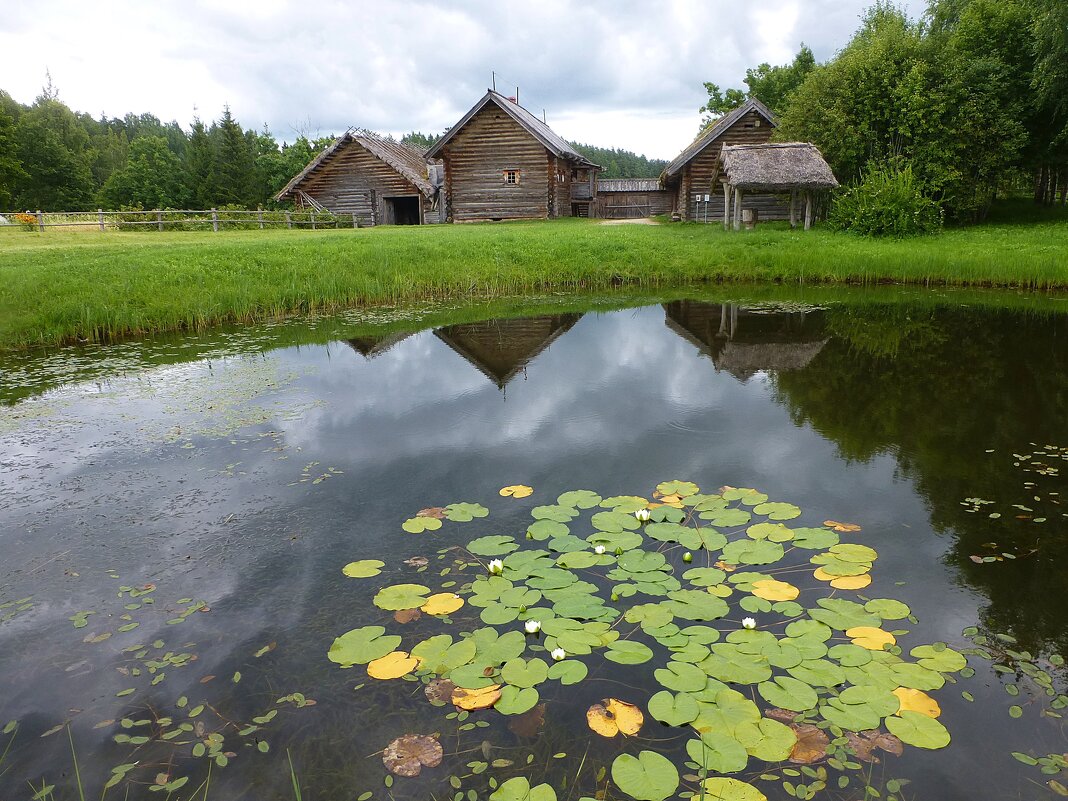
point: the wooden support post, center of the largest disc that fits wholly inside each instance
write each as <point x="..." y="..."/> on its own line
<point x="726" y="206"/>
<point x="40" y="221"/>
<point x="289" y="219"/>
<point x="793" y="208"/>
<point x="100" y="217"/>
<point x="159" y="219"/>
<point x="808" y="210"/>
<point x="259" y="216"/>
<point x="313" y="220"/>
<point x="737" y="209"/>
<point x="215" y="220"/>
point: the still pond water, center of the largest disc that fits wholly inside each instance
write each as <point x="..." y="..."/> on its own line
<point x="175" y="518"/>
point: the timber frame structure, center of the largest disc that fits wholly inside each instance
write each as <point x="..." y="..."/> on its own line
<point x="376" y="180"/>
<point x="503" y="163"/>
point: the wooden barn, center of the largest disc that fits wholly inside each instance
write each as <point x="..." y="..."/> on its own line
<point x="377" y="180"/>
<point x="692" y="178"/>
<point x="503" y="163"/>
<point x="629" y="198"/>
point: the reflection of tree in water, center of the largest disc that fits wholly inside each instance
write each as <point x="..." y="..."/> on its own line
<point x="938" y="388"/>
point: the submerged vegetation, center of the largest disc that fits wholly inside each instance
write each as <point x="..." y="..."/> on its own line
<point x="109" y="286"/>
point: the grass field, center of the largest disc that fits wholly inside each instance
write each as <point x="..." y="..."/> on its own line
<point x="62" y="287"/>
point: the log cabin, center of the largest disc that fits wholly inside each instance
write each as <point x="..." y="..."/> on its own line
<point x="692" y="178"/>
<point x="503" y="163"/>
<point x="377" y="180"/>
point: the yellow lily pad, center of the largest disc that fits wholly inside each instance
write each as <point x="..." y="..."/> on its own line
<point x="851" y="582"/>
<point x="443" y="603"/>
<point x="775" y="590"/>
<point x="516" y="491"/>
<point x="917" y="701"/>
<point x="870" y="637"/>
<point x="823" y="575"/>
<point x="612" y="717"/>
<point x="471" y="700"/>
<point x="392" y="665"/>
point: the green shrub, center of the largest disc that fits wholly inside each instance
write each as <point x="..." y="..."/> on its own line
<point x="888" y="202"/>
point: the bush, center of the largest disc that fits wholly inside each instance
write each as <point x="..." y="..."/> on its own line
<point x="888" y="202"/>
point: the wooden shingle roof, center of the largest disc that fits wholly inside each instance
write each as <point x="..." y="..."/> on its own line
<point x="551" y="140"/>
<point x="715" y="131"/>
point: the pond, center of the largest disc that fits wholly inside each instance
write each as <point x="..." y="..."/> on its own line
<point x="729" y="544"/>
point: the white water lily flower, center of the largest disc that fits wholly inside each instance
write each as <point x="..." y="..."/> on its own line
<point x="557" y="654"/>
<point x="496" y="567"/>
<point x="598" y="549"/>
<point x="748" y="623"/>
<point x="642" y="515"/>
<point x="532" y="626"/>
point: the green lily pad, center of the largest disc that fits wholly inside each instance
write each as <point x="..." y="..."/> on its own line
<point x="525" y="673"/>
<point x="747" y="495"/>
<point x="841" y="614"/>
<point x="365" y="568"/>
<point x="683" y="489"/>
<point x="516" y="700"/>
<point x="494" y="545"/>
<point x="752" y="552"/>
<point x="666" y="532"/>
<point x="439" y="654"/>
<point x="778" y="511"/>
<point x="626" y="652"/>
<point x="615" y="521"/>
<point x="463" y="512"/>
<point x="647" y="777"/>
<point x="722" y="788"/>
<point x="726" y="518"/>
<point x="814" y="539"/>
<point x="788" y="693"/>
<point x="674" y="710"/>
<point x="718" y="752"/>
<point x="519" y="789"/>
<point x="567" y="672"/>
<point x="853" y="552"/>
<point x="401" y="596"/>
<point x="705" y="538"/>
<point x="417" y="525"/>
<point x="849" y="655"/>
<point x="580" y="499"/>
<point x="362" y="645"/>
<point x="704" y="576"/>
<point x="578" y="560"/>
<point x="767" y="739"/>
<point x="939" y="657"/>
<point x="680" y="676"/>
<point x="776" y="532"/>
<point x="627" y="504"/>
<point x="850" y="717"/>
<point x="918" y="730"/>
<point x="545" y="529"/>
<point x="888" y="608"/>
<point x="554" y="512"/>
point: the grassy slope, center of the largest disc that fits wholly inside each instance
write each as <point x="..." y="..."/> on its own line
<point x="58" y="287"/>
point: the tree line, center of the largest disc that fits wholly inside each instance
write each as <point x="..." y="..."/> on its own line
<point x="972" y="98"/>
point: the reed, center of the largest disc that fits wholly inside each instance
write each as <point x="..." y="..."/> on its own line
<point x="58" y="288"/>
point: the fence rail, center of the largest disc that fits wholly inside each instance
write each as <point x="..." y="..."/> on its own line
<point x="179" y="219"/>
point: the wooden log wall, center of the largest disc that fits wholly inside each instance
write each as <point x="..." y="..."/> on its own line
<point x="629" y="205"/>
<point x="475" y="162"/>
<point x="347" y="183"/>
<point x="768" y="207"/>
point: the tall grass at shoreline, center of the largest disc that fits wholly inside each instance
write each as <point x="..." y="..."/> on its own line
<point x="57" y="288"/>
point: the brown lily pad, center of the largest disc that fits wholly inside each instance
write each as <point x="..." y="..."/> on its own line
<point x="407" y="755"/>
<point x="439" y="691"/>
<point x="417" y="561"/>
<point x="811" y="746"/>
<point x="781" y="715"/>
<point x="529" y="723"/>
<point x="432" y="511"/>
<point x="407" y="615"/>
<point x="865" y="743"/>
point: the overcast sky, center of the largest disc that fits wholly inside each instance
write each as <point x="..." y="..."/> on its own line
<point x="614" y="73"/>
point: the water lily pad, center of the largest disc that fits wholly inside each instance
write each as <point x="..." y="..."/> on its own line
<point x="365" y="568"/>
<point x="774" y="590"/>
<point x="439" y="654"/>
<point x="888" y="608"/>
<point x="362" y="645"/>
<point x="788" y="693"/>
<point x="482" y="698"/>
<point x="718" y="752"/>
<point x="567" y="672"/>
<point x="851" y="582"/>
<point x="647" y="777"/>
<point x="917" y="701"/>
<point x="554" y="512"/>
<point x="841" y="614"/>
<point x="778" y="511"/>
<point x="516" y="491"/>
<point x="940" y="658"/>
<point x="626" y="652"/>
<point x="580" y="499"/>
<point x="627" y="504"/>
<point x="666" y="532"/>
<point x="681" y="676"/>
<point x="519" y="789"/>
<point x="680" y="488"/>
<point x="463" y="512"/>
<point x="704" y="576"/>
<point x="579" y="560"/>
<point x="814" y="539"/>
<point x="674" y="710"/>
<point x="442" y="603"/>
<point x="401" y="596"/>
<point x="494" y="545"/>
<point x="853" y="552"/>
<point x="870" y="637"/>
<point x="407" y="755"/>
<point x="767" y="739"/>
<point x="811" y="746"/>
<point x="516" y="700"/>
<point x="849" y="655"/>
<point x="726" y="518"/>
<point x="723" y="788"/>
<point x="525" y="673"/>
<point x="615" y="521"/>
<point x="545" y="529"/>
<point x="752" y="552"/>
<point x="612" y="716"/>
<point x="392" y="666"/>
<point x="705" y="538"/>
<point x="747" y="495"/>
<point x="918" y="730"/>
<point x="417" y="525"/>
<point x="776" y="532"/>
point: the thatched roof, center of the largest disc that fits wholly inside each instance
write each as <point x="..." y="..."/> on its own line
<point x="369" y="347"/>
<point x="406" y="161"/>
<point x="628" y="185"/>
<point x="552" y="141"/>
<point x="501" y="348"/>
<point x="776" y="167"/>
<point x="743" y="360"/>
<point x="715" y="131"/>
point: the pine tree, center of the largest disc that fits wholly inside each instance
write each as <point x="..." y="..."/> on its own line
<point x="234" y="164"/>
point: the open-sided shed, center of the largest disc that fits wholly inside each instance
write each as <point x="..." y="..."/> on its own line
<point x="794" y="168"/>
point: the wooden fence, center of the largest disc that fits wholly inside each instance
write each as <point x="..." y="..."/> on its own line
<point x="178" y="220"/>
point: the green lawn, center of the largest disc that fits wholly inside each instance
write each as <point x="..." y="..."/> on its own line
<point x="59" y="287"/>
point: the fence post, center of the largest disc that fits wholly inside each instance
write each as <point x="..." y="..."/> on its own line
<point x="159" y="219"/>
<point x="215" y="220"/>
<point x="259" y="216"/>
<point x="100" y="216"/>
<point x="313" y="220"/>
<point x="40" y="221"/>
<point x="289" y="220"/>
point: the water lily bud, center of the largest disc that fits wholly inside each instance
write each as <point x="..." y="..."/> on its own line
<point x="495" y="567"/>
<point x="532" y="626"/>
<point x="522" y="609"/>
<point x="598" y="549"/>
<point x="748" y="623"/>
<point x="615" y="596"/>
<point x="687" y="557"/>
<point x="557" y="654"/>
<point x="642" y="515"/>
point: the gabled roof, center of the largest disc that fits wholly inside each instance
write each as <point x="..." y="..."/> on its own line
<point x="775" y="167"/>
<point x="552" y="141"/>
<point x="400" y="157"/>
<point x="715" y="131"/>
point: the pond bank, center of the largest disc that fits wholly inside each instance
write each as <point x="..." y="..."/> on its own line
<point x="63" y="288"/>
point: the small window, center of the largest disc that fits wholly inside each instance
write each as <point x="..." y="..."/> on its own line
<point x="511" y="176"/>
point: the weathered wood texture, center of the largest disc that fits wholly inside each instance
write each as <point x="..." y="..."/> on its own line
<point x="354" y="181"/>
<point x="629" y="205"/>
<point x="476" y="160"/>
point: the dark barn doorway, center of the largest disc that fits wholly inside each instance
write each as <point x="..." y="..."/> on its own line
<point x="402" y="210"/>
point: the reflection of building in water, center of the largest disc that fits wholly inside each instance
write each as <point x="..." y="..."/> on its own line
<point x="369" y="347"/>
<point x="501" y="348"/>
<point x="748" y="340"/>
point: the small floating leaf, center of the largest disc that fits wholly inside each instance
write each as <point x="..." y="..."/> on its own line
<point x="918" y="730"/>
<point x="870" y="637"/>
<point x="722" y="788"/>
<point x="482" y="698"/>
<point x="516" y="491"/>
<point x="392" y="665"/>
<point x="917" y="701"/>
<point x="443" y="603"/>
<point x="612" y="716"/>
<point x="401" y="596"/>
<point x="365" y="568"/>
<point x="648" y="777"/>
<point x="407" y="755"/>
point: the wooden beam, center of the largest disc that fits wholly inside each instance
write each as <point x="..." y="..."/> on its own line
<point x="726" y="206"/>
<point x="808" y="210"/>
<point x="793" y="208"/>
<point x="737" y="209"/>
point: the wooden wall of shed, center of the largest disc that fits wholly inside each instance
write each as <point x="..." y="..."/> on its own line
<point x="475" y="162"/>
<point x="629" y="205"/>
<point x="751" y="129"/>
<point x="768" y="207"/>
<point x="345" y="184"/>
